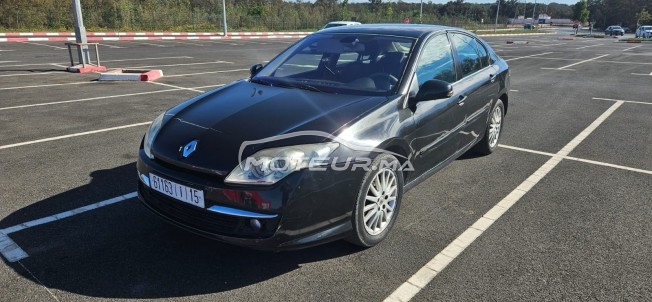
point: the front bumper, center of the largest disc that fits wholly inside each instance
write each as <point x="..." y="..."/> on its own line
<point x="304" y="209"/>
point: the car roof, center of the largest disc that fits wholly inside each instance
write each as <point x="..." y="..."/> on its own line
<point x="395" y="29"/>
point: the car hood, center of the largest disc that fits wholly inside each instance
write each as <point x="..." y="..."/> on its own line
<point x="223" y="119"/>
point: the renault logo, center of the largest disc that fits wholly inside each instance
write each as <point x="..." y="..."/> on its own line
<point x="188" y="149"/>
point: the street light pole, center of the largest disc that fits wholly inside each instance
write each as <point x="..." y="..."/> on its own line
<point x="497" y="11"/>
<point x="421" y="13"/>
<point x="80" y="33"/>
<point x="224" y="16"/>
<point x="533" y="10"/>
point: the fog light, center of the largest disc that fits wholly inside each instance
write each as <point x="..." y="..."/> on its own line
<point x="255" y="224"/>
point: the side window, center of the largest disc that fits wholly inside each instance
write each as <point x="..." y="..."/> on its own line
<point x="485" y="60"/>
<point x="436" y="61"/>
<point x="467" y="54"/>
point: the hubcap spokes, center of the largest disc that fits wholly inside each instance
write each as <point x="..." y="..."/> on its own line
<point x="380" y="202"/>
<point x="494" y="126"/>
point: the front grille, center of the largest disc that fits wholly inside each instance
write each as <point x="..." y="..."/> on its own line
<point x="207" y="221"/>
<point x="202" y="174"/>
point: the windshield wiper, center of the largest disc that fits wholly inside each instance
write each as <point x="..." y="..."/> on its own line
<point x="301" y="86"/>
<point x="278" y="83"/>
<point x="262" y="82"/>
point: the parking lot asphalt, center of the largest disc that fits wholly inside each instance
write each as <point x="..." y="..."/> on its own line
<point x="582" y="232"/>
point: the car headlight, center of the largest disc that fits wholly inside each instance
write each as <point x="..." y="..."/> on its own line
<point x="151" y="133"/>
<point x="266" y="167"/>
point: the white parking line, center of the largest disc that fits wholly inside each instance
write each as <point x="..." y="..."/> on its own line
<point x="588" y="161"/>
<point x="62" y="215"/>
<point x="221" y="42"/>
<point x="589" y="46"/>
<point x="151" y="44"/>
<point x="186" y="43"/>
<point x="580" y="62"/>
<point x="628" y="49"/>
<point x="31" y="64"/>
<point x="530" y="56"/>
<point x="183" y="64"/>
<point x="177" y="87"/>
<point x="549" y="68"/>
<point x="207" y="72"/>
<point x="56" y="47"/>
<point x="106" y="97"/>
<point x="2" y="62"/>
<point x="46" y="85"/>
<point x="71" y="135"/>
<point x="146" y="59"/>
<point x="614" y="100"/>
<point x="29" y="74"/>
<point x="111" y="46"/>
<point x="423" y="276"/>
<point x="12" y="252"/>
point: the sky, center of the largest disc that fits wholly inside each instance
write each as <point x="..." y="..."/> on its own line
<point x="477" y="1"/>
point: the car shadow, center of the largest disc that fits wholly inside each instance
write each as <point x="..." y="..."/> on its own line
<point x="124" y="251"/>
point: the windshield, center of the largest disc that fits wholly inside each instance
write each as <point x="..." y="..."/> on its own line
<point x="360" y="64"/>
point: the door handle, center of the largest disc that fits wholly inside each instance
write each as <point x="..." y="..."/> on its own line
<point x="492" y="77"/>
<point x="461" y="99"/>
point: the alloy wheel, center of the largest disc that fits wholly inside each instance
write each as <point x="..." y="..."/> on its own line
<point x="380" y="202"/>
<point x="494" y="126"/>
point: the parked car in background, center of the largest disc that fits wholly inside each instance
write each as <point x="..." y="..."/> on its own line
<point x="644" y="31"/>
<point x="322" y="142"/>
<point x="529" y="26"/>
<point x="340" y="23"/>
<point x="614" y="30"/>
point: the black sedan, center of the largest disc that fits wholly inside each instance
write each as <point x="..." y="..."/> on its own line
<point x="322" y="142"/>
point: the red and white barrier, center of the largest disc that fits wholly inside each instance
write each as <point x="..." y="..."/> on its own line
<point x="131" y="75"/>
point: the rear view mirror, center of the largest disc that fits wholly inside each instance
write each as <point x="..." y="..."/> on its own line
<point x="254" y="69"/>
<point x="433" y="90"/>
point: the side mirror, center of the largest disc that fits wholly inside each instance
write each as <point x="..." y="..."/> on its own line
<point x="254" y="69"/>
<point x="433" y="90"/>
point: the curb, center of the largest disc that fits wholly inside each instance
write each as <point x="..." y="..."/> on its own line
<point x="164" y="33"/>
<point x="143" y="38"/>
<point x="507" y="35"/>
<point x="131" y="75"/>
<point x="135" y="36"/>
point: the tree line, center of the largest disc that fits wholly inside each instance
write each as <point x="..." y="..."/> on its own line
<point x="205" y="15"/>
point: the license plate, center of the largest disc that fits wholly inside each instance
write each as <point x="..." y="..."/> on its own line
<point x="179" y="192"/>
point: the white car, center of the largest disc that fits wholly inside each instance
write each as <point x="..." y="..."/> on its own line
<point x="644" y="31"/>
<point x="340" y="23"/>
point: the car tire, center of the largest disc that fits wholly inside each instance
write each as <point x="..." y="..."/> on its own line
<point x="495" y="124"/>
<point x="379" y="198"/>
